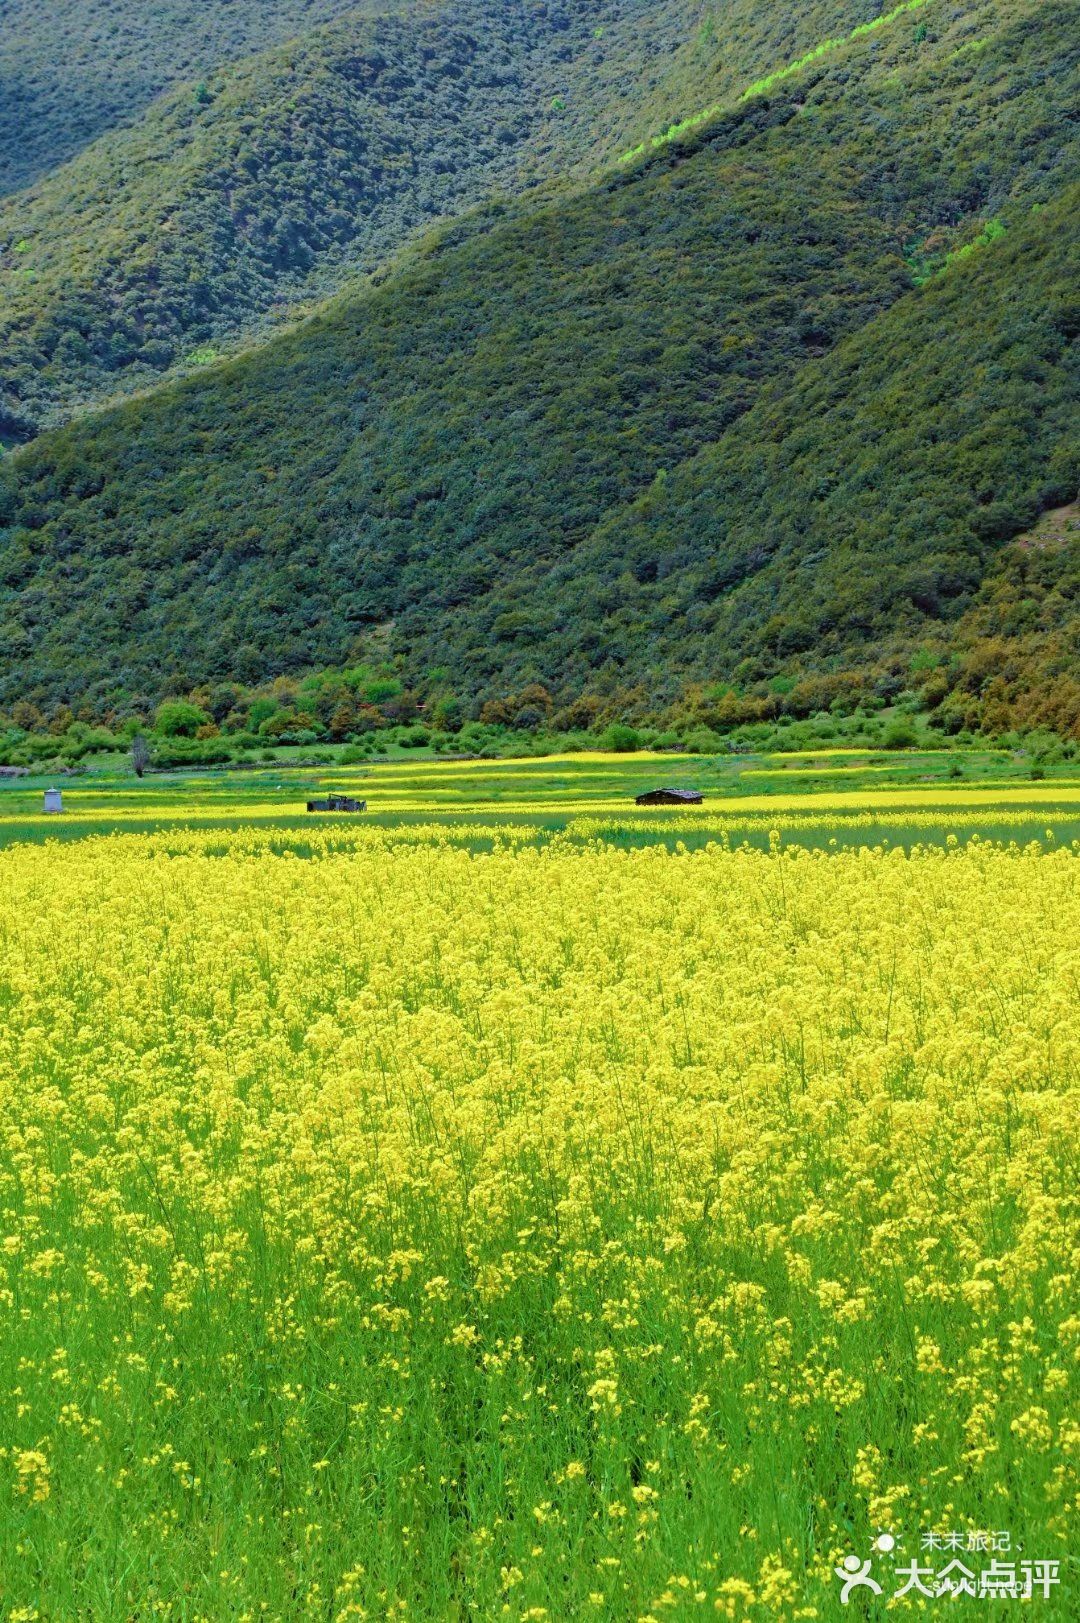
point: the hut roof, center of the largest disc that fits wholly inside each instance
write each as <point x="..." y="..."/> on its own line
<point x="670" y="797"/>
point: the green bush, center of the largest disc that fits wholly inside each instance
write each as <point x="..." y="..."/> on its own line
<point x="88" y="741"/>
<point x="177" y="718"/>
<point x="703" y="741"/>
<point x="900" y="735"/>
<point x="623" y="740"/>
<point x="181" y="751"/>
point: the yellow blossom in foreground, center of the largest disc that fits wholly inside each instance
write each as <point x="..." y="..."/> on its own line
<point x="395" y="1229"/>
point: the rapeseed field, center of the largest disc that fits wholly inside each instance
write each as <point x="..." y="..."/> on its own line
<point x="391" y="1229"/>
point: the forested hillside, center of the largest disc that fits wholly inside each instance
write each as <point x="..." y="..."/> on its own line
<point x="861" y="503"/>
<point x="237" y="201"/>
<point x="769" y="399"/>
<point x="72" y="69"/>
<point x="274" y="181"/>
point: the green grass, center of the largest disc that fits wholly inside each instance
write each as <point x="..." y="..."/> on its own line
<point x="547" y="796"/>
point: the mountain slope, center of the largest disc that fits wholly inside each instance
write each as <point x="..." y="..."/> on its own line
<point x="230" y="205"/>
<point x="73" y="69"/>
<point x="733" y="45"/>
<point x="279" y="179"/>
<point x="861" y="504"/>
<point x="687" y="421"/>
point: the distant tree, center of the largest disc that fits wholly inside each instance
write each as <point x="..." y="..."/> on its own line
<point x="140" y="755"/>
<point x="448" y="713"/>
<point x="529" y="718"/>
<point x="624" y="740"/>
<point x="177" y="718"/>
<point x="497" y="713"/>
<point x="900" y="735"/>
<point x="220" y="699"/>
<point x="261" y="710"/>
<point x="579" y="714"/>
<point x="27" y="716"/>
<point x="342" y="721"/>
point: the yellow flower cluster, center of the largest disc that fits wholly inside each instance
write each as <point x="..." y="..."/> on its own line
<point x="394" y="1229"/>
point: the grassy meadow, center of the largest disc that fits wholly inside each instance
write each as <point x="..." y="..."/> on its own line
<point x="511" y="1203"/>
<point x="844" y="793"/>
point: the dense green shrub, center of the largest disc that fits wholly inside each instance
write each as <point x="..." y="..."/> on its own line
<point x="900" y="735"/>
<point x="76" y="68"/>
<point x="621" y="739"/>
<point x="177" y="718"/>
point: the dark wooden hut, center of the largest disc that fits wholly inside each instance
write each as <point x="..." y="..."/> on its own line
<point x="670" y="797"/>
<point x="337" y="803"/>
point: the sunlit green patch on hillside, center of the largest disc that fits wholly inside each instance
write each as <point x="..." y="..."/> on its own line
<point x="762" y="86"/>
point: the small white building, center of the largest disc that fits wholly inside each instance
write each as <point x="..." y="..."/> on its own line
<point x="53" y="801"/>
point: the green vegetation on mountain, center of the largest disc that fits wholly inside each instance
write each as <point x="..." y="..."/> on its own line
<point x="1016" y="659"/>
<point x="762" y="86"/>
<point x="859" y="505"/>
<point x="73" y="69"/>
<point x="274" y="181"/>
<point x="763" y="406"/>
<point x="730" y="46"/>
<point x="238" y="202"/>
